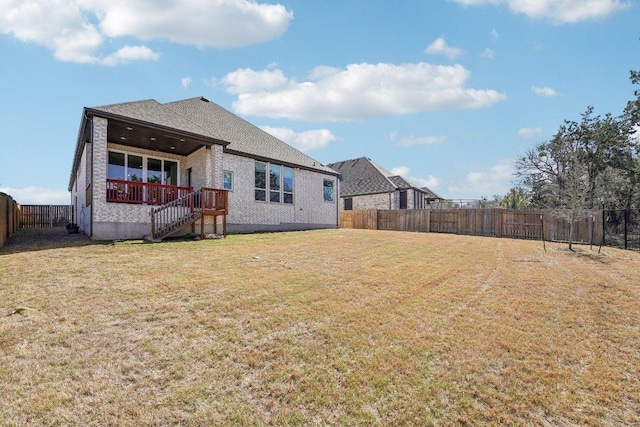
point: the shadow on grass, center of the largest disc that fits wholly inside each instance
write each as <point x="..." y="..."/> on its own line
<point x="38" y="239"/>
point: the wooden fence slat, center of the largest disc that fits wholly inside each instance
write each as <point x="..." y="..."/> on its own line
<point x="44" y="216"/>
<point x="519" y="224"/>
<point x="8" y="217"/>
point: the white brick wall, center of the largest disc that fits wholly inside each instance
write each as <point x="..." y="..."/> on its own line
<point x="380" y="201"/>
<point x="308" y="207"/>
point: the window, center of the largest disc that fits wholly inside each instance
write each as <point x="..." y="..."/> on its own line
<point x="227" y="180"/>
<point x="131" y="167"/>
<point x="278" y="185"/>
<point x="348" y="204"/>
<point x="403" y="200"/>
<point x="261" y="182"/>
<point x="328" y="190"/>
<point x="274" y="183"/>
<point x="287" y="185"/>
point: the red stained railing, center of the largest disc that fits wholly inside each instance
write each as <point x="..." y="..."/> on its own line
<point x="122" y="191"/>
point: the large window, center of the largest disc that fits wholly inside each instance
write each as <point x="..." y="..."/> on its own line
<point x="287" y="184"/>
<point x="261" y="181"/>
<point x="274" y="183"/>
<point x="278" y="184"/>
<point x="328" y="190"/>
<point x="131" y="167"/>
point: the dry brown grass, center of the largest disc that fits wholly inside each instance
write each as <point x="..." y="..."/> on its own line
<point x="334" y="327"/>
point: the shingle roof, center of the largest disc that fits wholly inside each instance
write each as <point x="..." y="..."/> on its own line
<point x="362" y="176"/>
<point x="243" y="137"/>
<point x="431" y="194"/>
<point x="152" y="112"/>
<point x="400" y="182"/>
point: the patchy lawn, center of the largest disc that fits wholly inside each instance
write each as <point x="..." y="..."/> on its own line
<point x="332" y="327"/>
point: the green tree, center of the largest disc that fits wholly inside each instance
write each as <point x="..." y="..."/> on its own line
<point x="516" y="198"/>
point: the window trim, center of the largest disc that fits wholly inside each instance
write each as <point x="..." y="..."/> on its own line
<point x="324" y="190"/>
<point x="224" y="173"/>
<point x="282" y="194"/>
<point x="145" y="158"/>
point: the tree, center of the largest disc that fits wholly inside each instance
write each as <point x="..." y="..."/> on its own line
<point x="516" y="198"/>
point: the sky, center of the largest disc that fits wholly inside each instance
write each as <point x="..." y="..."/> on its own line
<point x="446" y="93"/>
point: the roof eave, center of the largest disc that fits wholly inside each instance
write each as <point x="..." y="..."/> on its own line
<point x="207" y="140"/>
<point x="281" y="162"/>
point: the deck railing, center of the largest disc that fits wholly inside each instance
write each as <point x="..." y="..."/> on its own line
<point x="122" y="191"/>
<point x="214" y="200"/>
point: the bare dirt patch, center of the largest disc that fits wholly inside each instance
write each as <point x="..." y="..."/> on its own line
<point x="335" y="327"/>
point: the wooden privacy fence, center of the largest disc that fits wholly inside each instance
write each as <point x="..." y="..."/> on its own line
<point x="9" y="218"/>
<point x="43" y="216"/>
<point x="520" y="224"/>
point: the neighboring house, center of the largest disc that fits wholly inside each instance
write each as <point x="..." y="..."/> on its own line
<point x="367" y="185"/>
<point x="133" y="157"/>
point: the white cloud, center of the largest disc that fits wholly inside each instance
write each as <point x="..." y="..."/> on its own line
<point x="211" y="82"/>
<point x="496" y="180"/>
<point x="186" y="82"/>
<point x="303" y="141"/>
<point x="76" y="30"/>
<point x="440" y="47"/>
<point x="130" y="53"/>
<point x="494" y="35"/>
<point x="410" y="141"/>
<point x="431" y="182"/>
<point x="488" y="53"/>
<point x="247" y="80"/>
<point x="544" y="91"/>
<point x="529" y="132"/>
<point x="559" y="11"/>
<point x="38" y="195"/>
<point x="360" y="91"/>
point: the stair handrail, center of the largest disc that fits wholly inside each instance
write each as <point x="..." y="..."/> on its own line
<point x="162" y="217"/>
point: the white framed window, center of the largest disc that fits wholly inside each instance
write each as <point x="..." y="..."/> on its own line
<point x="273" y="183"/>
<point x="227" y="180"/>
<point x="141" y="168"/>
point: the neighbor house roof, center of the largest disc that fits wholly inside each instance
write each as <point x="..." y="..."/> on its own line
<point x="363" y="176"/>
<point x="432" y="194"/>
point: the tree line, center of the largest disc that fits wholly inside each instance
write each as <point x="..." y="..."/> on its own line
<point x="587" y="164"/>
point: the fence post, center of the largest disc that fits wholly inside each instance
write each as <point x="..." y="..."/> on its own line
<point x="626" y="217"/>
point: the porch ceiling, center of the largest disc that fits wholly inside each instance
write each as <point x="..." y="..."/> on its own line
<point x="140" y="136"/>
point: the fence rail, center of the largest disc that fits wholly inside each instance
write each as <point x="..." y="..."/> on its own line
<point x="519" y="224"/>
<point x="9" y="217"/>
<point x="44" y="216"/>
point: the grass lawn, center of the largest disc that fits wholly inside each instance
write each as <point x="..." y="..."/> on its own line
<point x="331" y="327"/>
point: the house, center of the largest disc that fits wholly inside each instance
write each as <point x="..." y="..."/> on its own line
<point x="367" y="185"/>
<point x="191" y="163"/>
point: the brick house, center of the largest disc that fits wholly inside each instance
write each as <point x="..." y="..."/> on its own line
<point x="367" y="185"/>
<point x="144" y="164"/>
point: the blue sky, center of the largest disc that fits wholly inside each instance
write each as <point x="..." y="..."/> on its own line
<point x="445" y="93"/>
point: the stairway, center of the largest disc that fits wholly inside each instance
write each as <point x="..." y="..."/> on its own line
<point x="175" y="215"/>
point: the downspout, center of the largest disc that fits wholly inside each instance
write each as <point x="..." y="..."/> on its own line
<point x="93" y="187"/>
<point x="338" y="202"/>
